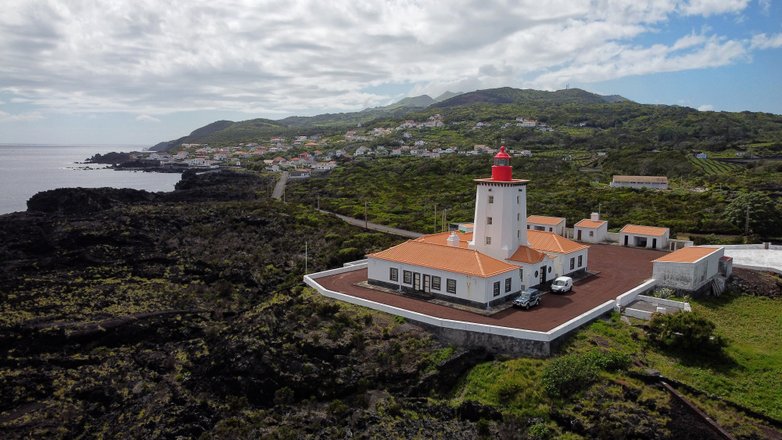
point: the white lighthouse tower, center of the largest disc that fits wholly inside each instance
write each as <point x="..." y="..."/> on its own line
<point x="500" y="224"/>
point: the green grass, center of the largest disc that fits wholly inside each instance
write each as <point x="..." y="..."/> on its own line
<point x="712" y="167"/>
<point x="752" y="374"/>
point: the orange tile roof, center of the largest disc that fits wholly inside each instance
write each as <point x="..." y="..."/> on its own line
<point x="551" y="242"/>
<point x="644" y="230"/>
<point x="641" y="179"/>
<point x="525" y="254"/>
<point x="687" y="255"/>
<point x="447" y="258"/>
<point x="590" y="224"/>
<point x="544" y="220"/>
<point x="442" y="238"/>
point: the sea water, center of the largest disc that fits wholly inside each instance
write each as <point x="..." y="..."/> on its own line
<point x="29" y="169"/>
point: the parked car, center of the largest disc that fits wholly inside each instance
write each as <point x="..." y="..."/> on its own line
<point x="562" y="285"/>
<point x="528" y="298"/>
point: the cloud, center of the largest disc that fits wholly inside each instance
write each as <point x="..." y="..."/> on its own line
<point x="706" y="108"/>
<point x="713" y="7"/>
<point x="278" y="57"/>
<point x="763" y="41"/>
<point x="147" y="118"/>
<point x="20" y="117"/>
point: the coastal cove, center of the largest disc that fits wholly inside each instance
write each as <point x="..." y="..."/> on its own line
<point x="28" y="169"/>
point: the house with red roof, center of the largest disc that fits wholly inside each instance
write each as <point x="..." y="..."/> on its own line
<point x="591" y="230"/>
<point x="487" y="264"/>
<point x="546" y="223"/>
<point x="651" y="237"/>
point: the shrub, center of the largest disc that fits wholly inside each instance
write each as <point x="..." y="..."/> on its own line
<point x="685" y="332"/>
<point x="568" y="374"/>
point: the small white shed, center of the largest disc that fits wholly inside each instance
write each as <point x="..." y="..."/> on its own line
<point x="546" y="224"/>
<point x="688" y="268"/>
<point x="650" y="237"/>
<point x="591" y="230"/>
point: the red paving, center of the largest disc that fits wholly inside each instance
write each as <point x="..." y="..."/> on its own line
<point x="620" y="269"/>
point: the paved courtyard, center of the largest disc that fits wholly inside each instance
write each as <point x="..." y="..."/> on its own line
<point x="619" y="270"/>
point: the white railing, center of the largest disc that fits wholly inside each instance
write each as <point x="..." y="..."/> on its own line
<point x="629" y="296"/>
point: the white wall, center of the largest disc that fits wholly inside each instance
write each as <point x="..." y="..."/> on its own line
<point x="558" y="229"/>
<point x="470" y="288"/>
<point x="687" y="276"/>
<point x="662" y="241"/>
<point x="598" y="237"/>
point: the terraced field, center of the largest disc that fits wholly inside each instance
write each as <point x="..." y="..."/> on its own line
<point x="714" y="167"/>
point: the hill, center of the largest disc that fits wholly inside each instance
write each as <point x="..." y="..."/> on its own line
<point x="228" y="131"/>
<point x="508" y="95"/>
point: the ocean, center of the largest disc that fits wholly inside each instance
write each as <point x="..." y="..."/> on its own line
<point x="29" y="169"/>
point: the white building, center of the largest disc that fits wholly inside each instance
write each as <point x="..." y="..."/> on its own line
<point x="651" y="182"/>
<point x="545" y="223"/>
<point x="689" y="268"/>
<point x="650" y="237"/>
<point x="487" y="263"/>
<point x="591" y="230"/>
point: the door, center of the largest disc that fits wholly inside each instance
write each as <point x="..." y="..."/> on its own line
<point x="654" y="243"/>
<point x="626" y="240"/>
<point x="579" y="235"/>
<point x="427" y="285"/>
<point x="543" y="274"/>
<point x="416" y="281"/>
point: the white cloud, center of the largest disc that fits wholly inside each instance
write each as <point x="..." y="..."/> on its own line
<point x="147" y="118"/>
<point x="20" y="117"/>
<point x="765" y="6"/>
<point x="277" y="57"/>
<point x="713" y="7"/>
<point x="706" y="108"/>
<point x="763" y="41"/>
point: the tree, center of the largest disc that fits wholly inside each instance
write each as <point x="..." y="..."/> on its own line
<point x="685" y="332"/>
<point x="759" y="209"/>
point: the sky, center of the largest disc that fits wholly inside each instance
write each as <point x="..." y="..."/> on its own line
<point x="144" y="71"/>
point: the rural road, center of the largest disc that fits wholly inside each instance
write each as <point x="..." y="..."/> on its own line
<point x="374" y="226"/>
<point x="279" y="188"/>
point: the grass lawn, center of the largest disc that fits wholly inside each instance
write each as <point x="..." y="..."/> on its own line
<point x="752" y="373"/>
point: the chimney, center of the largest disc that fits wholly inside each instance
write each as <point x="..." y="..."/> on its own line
<point x="453" y="239"/>
<point x="595" y="217"/>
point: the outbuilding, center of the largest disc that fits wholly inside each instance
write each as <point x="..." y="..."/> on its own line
<point x="650" y="237"/>
<point x="547" y="224"/>
<point x="689" y="269"/>
<point x="591" y="230"/>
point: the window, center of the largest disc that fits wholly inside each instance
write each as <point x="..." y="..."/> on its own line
<point x="407" y="277"/>
<point x="551" y="229"/>
<point x="536" y="274"/>
<point x="591" y="233"/>
<point x="491" y="199"/>
<point x="507" y="285"/>
<point x="521" y="275"/>
<point x="450" y="285"/>
<point x="488" y="240"/>
<point x="572" y="263"/>
<point x="518" y="233"/>
<point x="518" y="217"/>
<point x="436" y="283"/>
<point x="496" y="288"/>
<point x="580" y="260"/>
<point x="488" y="220"/>
<point x="518" y="199"/>
<point x="527" y="226"/>
<point x="549" y="269"/>
<point x="394" y="274"/>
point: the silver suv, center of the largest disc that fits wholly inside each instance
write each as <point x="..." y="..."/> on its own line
<point x="528" y="298"/>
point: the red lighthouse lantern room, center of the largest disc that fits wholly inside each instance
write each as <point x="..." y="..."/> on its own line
<point x="501" y="170"/>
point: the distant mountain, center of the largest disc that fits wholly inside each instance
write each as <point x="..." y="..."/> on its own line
<point x="508" y="95"/>
<point x="228" y="131"/>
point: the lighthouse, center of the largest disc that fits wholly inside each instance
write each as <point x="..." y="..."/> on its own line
<point x="500" y="223"/>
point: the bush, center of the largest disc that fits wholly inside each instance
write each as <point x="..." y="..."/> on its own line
<point x="685" y="332"/>
<point x="568" y="374"/>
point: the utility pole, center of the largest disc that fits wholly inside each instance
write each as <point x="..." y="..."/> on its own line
<point x="318" y="203"/>
<point x="366" y="222"/>
<point x="445" y="220"/>
<point x="746" y="221"/>
<point x="306" y="257"/>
